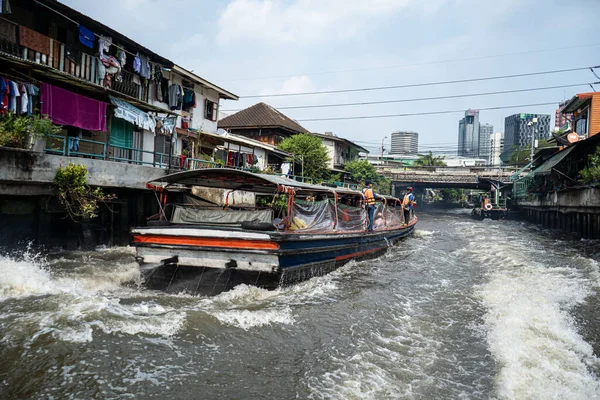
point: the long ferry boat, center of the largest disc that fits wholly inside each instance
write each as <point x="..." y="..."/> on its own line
<point x="268" y="231"/>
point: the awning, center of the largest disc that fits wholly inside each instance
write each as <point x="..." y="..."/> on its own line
<point x="548" y="165"/>
<point x="132" y="114"/>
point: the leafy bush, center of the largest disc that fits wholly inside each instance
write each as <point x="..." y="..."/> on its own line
<point x="16" y="129"/>
<point x="591" y="173"/>
<point x="71" y="187"/>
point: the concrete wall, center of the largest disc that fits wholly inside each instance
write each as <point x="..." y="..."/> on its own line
<point x="574" y="211"/>
<point x="26" y="173"/>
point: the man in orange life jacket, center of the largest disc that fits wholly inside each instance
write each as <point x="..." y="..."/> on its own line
<point x="370" y="197"/>
<point x="407" y="205"/>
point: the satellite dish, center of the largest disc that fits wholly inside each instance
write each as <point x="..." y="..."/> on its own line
<point x="573" y="137"/>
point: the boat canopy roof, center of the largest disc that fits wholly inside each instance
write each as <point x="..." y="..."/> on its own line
<point x="233" y="179"/>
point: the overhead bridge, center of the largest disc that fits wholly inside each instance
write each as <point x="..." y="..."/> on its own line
<point x="447" y="177"/>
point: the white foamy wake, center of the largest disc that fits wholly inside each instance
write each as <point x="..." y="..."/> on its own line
<point x="69" y="305"/>
<point x="530" y="331"/>
<point x="247" y="306"/>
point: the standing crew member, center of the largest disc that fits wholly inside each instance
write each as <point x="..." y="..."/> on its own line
<point x="370" y="197"/>
<point x="407" y="205"/>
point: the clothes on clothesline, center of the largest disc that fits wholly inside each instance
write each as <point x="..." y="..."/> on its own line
<point x="189" y="98"/>
<point x="64" y="107"/>
<point x="175" y="96"/>
<point x="237" y="159"/>
<point x="17" y="96"/>
<point x="86" y="37"/>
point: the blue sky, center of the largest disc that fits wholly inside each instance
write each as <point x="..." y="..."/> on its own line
<point x="295" y="45"/>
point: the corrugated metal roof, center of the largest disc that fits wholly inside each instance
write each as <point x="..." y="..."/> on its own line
<point x="233" y="179"/>
<point x="261" y="115"/>
<point x="549" y="164"/>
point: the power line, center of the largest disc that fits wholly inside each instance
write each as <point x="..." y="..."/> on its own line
<point x="428" y="98"/>
<point x="424" y="113"/>
<point x="421" y="84"/>
<point x="415" y="64"/>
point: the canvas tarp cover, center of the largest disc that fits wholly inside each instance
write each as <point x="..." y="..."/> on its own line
<point x="313" y="216"/>
<point x="189" y="215"/>
<point x="351" y="218"/>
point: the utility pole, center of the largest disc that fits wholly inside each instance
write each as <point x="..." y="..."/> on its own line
<point x="382" y="148"/>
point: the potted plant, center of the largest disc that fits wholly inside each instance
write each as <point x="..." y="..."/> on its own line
<point x="39" y="130"/>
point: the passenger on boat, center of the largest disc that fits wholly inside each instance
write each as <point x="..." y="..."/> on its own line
<point x="370" y="197"/>
<point x="407" y="205"/>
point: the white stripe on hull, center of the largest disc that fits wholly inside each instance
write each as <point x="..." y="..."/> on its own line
<point x="200" y="232"/>
<point x="212" y="259"/>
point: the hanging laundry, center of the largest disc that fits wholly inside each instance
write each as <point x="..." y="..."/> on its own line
<point x="189" y="98"/>
<point x="175" y="97"/>
<point x="5" y="7"/>
<point x="122" y="57"/>
<point x="67" y="108"/>
<point x="137" y="63"/>
<point x="24" y="99"/>
<point x="104" y="43"/>
<point x="144" y="67"/>
<point x="86" y="37"/>
<point x="164" y="87"/>
<point x="14" y="93"/>
<point x="33" y="91"/>
<point x="4" y="89"/>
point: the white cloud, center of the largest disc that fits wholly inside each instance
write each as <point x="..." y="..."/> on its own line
<point x="295" y="84"/>
<point x="305" y="21"/>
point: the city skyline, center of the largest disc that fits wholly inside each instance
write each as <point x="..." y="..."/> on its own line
<point x="286" y="47"/>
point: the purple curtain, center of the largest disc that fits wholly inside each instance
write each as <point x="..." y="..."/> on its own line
<point x="67" y="108"/>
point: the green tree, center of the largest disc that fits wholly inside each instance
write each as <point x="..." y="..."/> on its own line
<point x="452" y="195"/>
<point x="522" y="155"/>
<point x="429" y="160"/>
<point x="591" y="173"/>
<point x="362" y="170"/>
<point x="315" y="157"/>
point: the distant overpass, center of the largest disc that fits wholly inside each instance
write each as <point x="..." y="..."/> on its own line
<point x="447" y="177"/>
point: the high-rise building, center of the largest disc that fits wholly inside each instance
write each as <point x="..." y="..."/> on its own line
<point x="485" y="133"/>
<point x="468" y="134"/>
<point x="496" y="148"/>
<point x="562" y="121"/>
<point x="405" y="143"/>
<point x="518" y="129"/>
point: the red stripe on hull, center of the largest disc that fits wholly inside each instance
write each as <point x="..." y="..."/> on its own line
<point x="207" y="242"/>
<point x="360" y="253"/>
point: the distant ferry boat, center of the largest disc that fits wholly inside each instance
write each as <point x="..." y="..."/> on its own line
<point x="495" y="209"/>
<point x="193" y="244"/>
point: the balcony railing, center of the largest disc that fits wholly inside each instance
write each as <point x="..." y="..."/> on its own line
<point x="127" y="85"/>
<point x="42" y="49"/>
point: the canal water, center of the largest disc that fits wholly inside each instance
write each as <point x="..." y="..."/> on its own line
<point x="463" y="309"/>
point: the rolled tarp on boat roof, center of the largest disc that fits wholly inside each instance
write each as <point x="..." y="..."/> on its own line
<point x="233" y="179"/>
<point x="549" y="164"/>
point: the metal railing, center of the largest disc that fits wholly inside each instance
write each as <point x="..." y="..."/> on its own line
<point x="70" y="146"/>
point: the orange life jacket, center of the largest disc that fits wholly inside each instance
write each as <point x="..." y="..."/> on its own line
<point x="369" y="196"/>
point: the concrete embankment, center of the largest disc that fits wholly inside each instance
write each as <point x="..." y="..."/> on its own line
<point x="29" y="212"/>
<point x="574" y="211"/>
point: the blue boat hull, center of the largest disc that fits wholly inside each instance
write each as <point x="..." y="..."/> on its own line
<point x="300" y="256"/>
